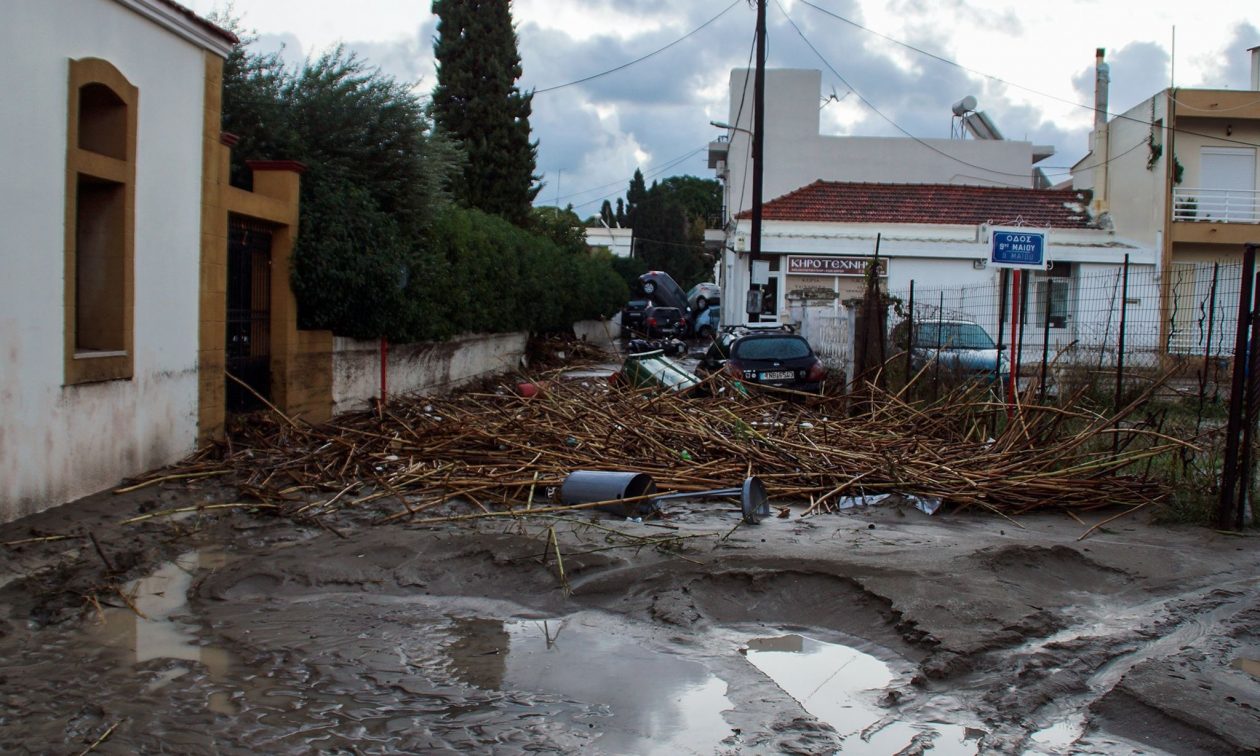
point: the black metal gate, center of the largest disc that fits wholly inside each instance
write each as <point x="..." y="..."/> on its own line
<point x="248" y="313"/>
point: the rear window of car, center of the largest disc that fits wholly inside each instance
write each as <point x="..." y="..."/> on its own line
<point x="951" y="336"/>
<point x="771" y="348"/>
<point x="637" y="304"/>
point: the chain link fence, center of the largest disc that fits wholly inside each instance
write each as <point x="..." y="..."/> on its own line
<point x="1091" y="338"/>
<point x="1111" y="325"/>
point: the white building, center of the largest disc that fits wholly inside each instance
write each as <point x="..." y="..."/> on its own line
<point x="103" y="146"/>
<point x="616" y="240"/>
<point x="797" y="154"/>
<point x="822" y="237"/>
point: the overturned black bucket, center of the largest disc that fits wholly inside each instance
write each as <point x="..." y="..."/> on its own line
<point x="584" y="486"/>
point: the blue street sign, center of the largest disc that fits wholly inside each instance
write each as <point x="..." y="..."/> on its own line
<point x="1018" y="249"/>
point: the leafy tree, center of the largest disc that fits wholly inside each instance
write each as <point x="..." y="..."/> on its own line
<point x="380" y="250"/>
<point x="562" y="227"/>
<point x="371" y="190"/>
<point x="478" y="105"/>
<point x="664" y="240"/>
<point x="700" y="198"/>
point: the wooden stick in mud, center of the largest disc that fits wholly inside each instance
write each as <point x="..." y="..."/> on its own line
<point x="196" y="508"/>
<point x="101" y="739"/>
<point x="165" y="478"/>
<point x="43" y="539"/>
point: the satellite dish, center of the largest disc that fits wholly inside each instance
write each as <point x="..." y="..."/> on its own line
<point x="964" y="106"/>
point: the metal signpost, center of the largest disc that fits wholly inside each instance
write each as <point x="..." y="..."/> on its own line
<point x="1019" y="249"/>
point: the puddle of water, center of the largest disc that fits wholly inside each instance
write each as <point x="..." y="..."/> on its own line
<point x="639" y="700"/>
<point x="840" y="685"/>
<point x="1059" y="737"/>
<point x="159" y="597"/>
<point x="1250" y="666"/>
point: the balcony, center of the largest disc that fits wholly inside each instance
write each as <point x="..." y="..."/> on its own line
<point x="1197" y="204"/>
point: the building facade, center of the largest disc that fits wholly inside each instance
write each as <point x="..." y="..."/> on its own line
<point x="797" y="153"/>
<point x="1178" y="172"/>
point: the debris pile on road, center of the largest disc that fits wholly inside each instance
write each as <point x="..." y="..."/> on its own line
<point x="495" y="449"/>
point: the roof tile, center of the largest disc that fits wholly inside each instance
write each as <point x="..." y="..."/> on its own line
<point x="946" y="204"/>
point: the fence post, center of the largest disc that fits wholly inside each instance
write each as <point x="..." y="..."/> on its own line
<point x="940" y="337"/>
<point x="1023" y="318"/>
<point x="1045" y="343"/>
<point x="1207" y="350"/>
<point x="1124" y="312"/>
<point x="1253" y="408"/>
<point x="910" y="336"/>
<point x="1229" y="474"/>
<point x="1001" y="322"/>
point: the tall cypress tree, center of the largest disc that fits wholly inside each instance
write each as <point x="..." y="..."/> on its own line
<point x="634" y="196"/>
<point x="477" y="104"/>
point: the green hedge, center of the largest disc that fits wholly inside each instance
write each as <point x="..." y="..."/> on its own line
<point x="473" y="273"/>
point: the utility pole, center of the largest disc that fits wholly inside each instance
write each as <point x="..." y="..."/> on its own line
<point x="758" y="141"/>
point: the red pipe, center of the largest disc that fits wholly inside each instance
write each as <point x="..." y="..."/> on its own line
<point x="1015" y="280"/>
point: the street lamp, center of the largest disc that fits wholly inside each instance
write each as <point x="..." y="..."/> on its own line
<point x="729" y="127"/>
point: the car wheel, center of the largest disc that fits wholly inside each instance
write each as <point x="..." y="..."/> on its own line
<point x="702" y="303"/>
<point x="648" y="287"/>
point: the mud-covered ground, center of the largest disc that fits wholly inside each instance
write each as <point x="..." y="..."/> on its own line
<point x="875" y="631"/>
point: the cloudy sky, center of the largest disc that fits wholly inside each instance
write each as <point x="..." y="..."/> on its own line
<point x="1028" y="62"/>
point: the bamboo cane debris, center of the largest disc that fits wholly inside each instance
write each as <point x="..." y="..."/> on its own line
<point x="501" y="451"/>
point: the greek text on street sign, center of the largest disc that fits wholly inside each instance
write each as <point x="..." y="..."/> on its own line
<point x="1018" y="248"/>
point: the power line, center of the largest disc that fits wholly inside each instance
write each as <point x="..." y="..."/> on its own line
<point x="650" y="174"/>
<point x="1000" y="80"/>
<point x="624" y="66"/>
<point x="880" y="113"/>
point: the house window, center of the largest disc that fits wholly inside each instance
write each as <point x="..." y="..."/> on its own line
<point x="1050" y="298"/>
<point x="100" y="220"/>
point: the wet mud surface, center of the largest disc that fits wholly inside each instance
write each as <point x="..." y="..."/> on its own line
<point x="877" y="631"/>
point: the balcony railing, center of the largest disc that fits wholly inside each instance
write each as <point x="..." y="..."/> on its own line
<point x="1216" y="205"/>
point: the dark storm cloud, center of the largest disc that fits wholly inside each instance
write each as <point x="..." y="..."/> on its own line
<point x="409" y="60"/>
<point x="1230" y="67"/>
<point x="656" y="104"/>
<point x="588" y="132"/>
<point x="1138" y="71"/>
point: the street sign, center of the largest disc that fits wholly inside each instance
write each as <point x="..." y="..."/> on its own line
<point x="1018" y="248"/>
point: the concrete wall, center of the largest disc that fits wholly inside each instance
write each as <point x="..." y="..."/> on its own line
<point x="601" y="333"/>
<point x="1117" y="173"/>
<point x="425" y="368"/>
<point x="60" y="442"/>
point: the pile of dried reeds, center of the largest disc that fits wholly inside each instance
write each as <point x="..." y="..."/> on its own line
<point x="493" y="449"/>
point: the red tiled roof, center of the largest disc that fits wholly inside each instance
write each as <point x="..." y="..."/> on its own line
<point x="209" y="26"/>
<point x="947" y="204"/>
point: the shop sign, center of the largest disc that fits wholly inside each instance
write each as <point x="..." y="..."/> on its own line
<point x="833" y="266"/>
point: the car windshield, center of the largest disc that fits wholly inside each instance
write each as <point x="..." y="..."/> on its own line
<point x="771" y="348"/>
<point x="951" y="336"/>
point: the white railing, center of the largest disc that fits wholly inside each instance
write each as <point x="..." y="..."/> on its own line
<point x="1216" y="205"/>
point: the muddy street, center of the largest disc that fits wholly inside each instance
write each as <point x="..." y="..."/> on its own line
<point x="878" y="631"/>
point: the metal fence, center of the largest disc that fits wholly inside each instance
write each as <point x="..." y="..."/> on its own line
<point x="1101" y="334"/>
<point x="1097" y="321"/>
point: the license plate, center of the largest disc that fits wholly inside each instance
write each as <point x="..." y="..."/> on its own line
<point x="778" y="375"/>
